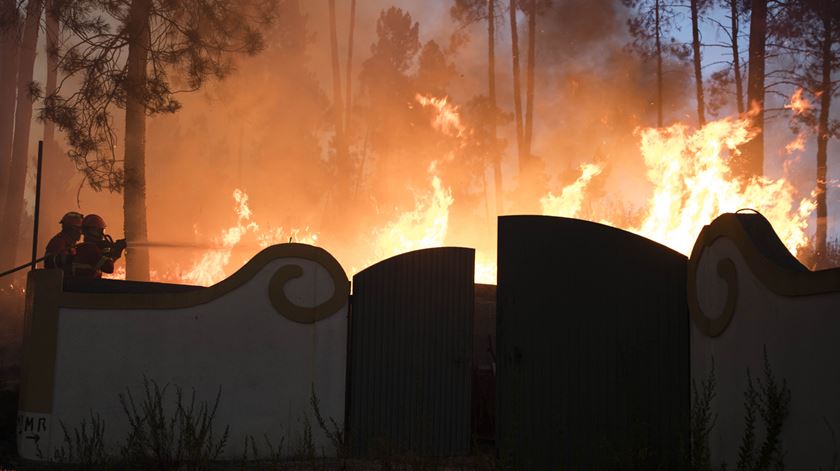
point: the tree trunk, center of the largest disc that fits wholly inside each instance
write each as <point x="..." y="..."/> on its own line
<point x="9" y="49"/>
<point x="529" y="97"/>
<point x="338" y="103"/>
<point x="658" y="34"/>
<point x="56" y="171"/>
<point x="13" y="209"/>
<point x="753" y="165"/>
<point x="698" y="71"/>
<point x="349" y="75"/>
<point x="52" y="72"/>
<point x="517" y="86"/>
<point x="134" y="204"/>
<point x="736" y="57"/>
<point x="822" y="144"/>
<point x="491" y="92"/>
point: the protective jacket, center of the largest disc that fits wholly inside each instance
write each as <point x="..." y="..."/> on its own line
<point x="92" y="261"/>
<point x="60" y="251"/>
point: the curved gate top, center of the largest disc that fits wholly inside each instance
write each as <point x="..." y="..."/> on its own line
<point x="410" y="354"/>
<point x="593" y="348"/>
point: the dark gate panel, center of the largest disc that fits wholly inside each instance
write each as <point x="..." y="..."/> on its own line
<point x="410" y="354"/>
<point x="484" y="363"/>
<point x="592" y="332"/>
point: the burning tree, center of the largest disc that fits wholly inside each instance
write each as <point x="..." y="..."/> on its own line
<point x="157" y="49"/>
<point x="811" y="31"/>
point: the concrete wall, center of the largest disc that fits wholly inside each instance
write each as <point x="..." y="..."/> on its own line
<point x="265" y="359"/>
<point x="747" y="294"/>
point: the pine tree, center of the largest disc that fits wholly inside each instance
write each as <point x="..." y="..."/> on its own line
<point x="194" y="38"/>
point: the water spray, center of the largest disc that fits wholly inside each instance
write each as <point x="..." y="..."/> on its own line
<point x="188" y="245"/>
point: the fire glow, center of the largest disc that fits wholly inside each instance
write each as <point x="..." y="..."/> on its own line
<point x="693" y="184"/>
<point x="568" y="203"/>
<point x="689" y="170"/>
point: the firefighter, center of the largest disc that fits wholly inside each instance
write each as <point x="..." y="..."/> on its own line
<point x="62" y="247"/>
<point x="97" y="253"/>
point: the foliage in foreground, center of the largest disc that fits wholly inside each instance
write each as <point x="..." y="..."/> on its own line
<point x="184" y="438"/>
<point x="761" y="448"/>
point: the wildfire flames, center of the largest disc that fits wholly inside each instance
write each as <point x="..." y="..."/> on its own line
<point x="446" y="119"/>
<point x="694" y="184"/>
<point x="797" y="144"/>
<point x="210" y="268"/>
<point x="215" y="264"/>
<point x="689" y="170"/>
<point x="422" y="228"/>
<point x="568" y="203"/>
<point x="798" y="104"/>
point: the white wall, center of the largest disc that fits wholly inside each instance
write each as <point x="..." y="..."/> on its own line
<point x="802" y="338"/>
<point x="264" y="362"/>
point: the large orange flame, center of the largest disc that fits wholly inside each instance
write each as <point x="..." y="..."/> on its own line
<point x="421" y="228"/>
<point x="693" y="184"/>
<point x="568" y="203"/>
<point x="689" y="170"/>
<point x="211" y="266"/>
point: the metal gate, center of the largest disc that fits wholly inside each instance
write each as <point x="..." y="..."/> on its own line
<point x="593" y="347"/>
<point x="410" y="354"/>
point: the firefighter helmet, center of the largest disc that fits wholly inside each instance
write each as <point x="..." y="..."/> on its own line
<point x="93" y="221"/>
<point x="72" y="218"/>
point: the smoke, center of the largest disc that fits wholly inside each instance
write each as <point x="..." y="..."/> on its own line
<point x="268" y="130"/>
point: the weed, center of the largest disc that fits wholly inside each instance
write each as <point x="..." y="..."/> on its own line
<point x="273" y="458"/>
<point x="171" y="441"/>
<point x="332" y="430"/>
<point x="86" y="446"/>
<point x="305" y="445"/>
<point x="770" y="400"/>
<point x="766" y="399"/>
<point x="773" y="407"/>
<point x="746" y="451"/>
<point x="274" y="454"/>
<point x="702" y="421"/>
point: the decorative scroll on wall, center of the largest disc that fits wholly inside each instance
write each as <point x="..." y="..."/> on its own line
<point x="268" y="336"/>
<point x="747" y="294"/>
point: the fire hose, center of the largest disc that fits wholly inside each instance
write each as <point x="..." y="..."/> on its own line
<point x="21" y="267"/>
<point x="169" y="245"/>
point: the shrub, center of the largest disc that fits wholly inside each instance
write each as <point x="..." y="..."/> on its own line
<point x="86" y="447"/>
<point x="168" y="441"/>
<point x="702" y="421"/>
<point x="332" y="430"/>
